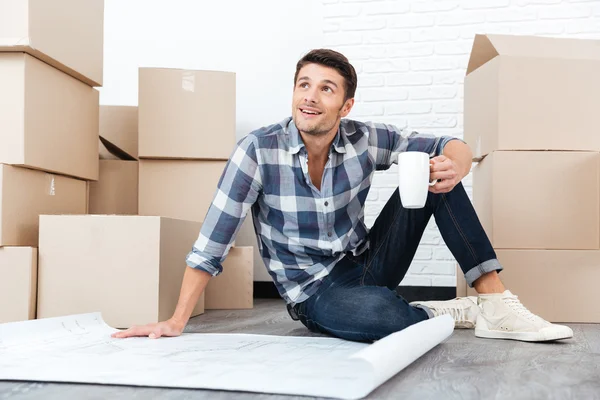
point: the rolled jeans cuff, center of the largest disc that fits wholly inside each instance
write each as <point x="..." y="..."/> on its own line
<point x="426" y="309"/>
<point x="477" y="271"/>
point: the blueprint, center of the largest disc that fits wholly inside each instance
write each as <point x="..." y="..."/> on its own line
<point x="79" y="349"/>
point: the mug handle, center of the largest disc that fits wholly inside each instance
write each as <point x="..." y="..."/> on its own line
<point x="434" y="181"/>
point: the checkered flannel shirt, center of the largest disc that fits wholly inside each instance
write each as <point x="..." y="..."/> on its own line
<point x="302" y="231"/>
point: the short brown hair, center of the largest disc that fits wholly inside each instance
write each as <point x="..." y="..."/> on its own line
<point x="335" y="60"/>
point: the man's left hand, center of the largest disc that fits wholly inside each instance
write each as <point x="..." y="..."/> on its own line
<point x="445" y="172"/>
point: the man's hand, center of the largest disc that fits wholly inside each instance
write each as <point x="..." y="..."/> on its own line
<point x="445" y="172"/>
<point x="194" y="283"/>
<point x="153" y="331"/>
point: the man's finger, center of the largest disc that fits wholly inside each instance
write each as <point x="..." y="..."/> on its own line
<point x="441" y="165"/>
<point x="121" y="334"/>
<point x="133" y="331"/>
<point x="449" y="174"/>
<point x="443" y="186"/>
<point x="155" y="334"/>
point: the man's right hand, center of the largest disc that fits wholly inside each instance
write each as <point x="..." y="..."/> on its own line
<point x="169" y="327"/>
<point x="194" y="282"/>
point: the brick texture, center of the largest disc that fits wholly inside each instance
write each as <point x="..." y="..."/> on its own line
<point x="411" y="57"/>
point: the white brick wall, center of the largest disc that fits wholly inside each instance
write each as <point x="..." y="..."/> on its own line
<point x="411" y="57"/>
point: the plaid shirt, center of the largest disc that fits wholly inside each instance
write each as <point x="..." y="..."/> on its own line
<point x="302" y="231"/>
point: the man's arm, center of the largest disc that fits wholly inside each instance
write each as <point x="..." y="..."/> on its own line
<point x="194" y="283"/>
<point x="237" y="190"/>
<point x="450" y="156"/>
<point x="461" y="154"/>
<point x="451" y="167"/>
<point x="388" y="141"/>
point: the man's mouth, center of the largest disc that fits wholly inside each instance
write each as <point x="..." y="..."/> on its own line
<point x="309" y="111"/>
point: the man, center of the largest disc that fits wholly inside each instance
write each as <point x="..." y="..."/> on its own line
<point x="306" y="180"/>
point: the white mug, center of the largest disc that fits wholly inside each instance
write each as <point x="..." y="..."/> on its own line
<point x="413" y="178"/>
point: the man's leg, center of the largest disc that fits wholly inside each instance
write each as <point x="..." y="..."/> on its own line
<point x="358" y="301"/>
<point x="502" y="314"/>
<point x="395" y="236"/>
<point x="345" y="308"/>
<point x="397" y="232"/>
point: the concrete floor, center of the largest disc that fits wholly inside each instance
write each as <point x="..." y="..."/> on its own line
<point x="463" y="367"/>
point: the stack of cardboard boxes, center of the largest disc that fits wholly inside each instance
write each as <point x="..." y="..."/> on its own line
<point x="159" y="169"/>
<point x="530" y="118"/>
<point x="186" y="134"/>
<point x="116" y="191"/>
<point x="90" y="219"/>
<point x="50" y="61"/>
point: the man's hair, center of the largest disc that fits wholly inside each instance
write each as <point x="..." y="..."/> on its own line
<point x="335" y="60"/>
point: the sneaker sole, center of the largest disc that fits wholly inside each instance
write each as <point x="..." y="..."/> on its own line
<point x="464" y="325"/>
<point x="522" y="336"/>
<point x="482" y="331"/>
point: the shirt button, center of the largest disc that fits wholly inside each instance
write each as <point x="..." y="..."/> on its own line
<point x="329" y="234"/>
<point x="326" y="203"/>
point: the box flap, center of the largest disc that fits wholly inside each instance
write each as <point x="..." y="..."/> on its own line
<point x="119" y="126"/>
<point x="483" y="51"/>
<point x="113" y="150"/>
<point x="486" y="47"/>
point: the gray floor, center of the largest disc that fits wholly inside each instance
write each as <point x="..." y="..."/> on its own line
<point x="463" y="367"/>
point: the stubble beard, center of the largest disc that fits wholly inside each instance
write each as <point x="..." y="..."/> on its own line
<point x="318" y="129"/>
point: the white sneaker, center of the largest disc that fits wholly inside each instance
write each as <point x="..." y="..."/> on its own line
<point x="504" y="317"/>
<point x="464" y="310"/>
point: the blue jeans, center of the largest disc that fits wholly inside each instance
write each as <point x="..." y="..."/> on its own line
<point x="357" y="300"/>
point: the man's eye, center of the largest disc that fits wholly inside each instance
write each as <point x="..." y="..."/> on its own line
<point x="304" y="85"/>
<point x="327" y="89"/>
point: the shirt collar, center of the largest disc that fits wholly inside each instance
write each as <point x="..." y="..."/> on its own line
<point x="295" y="142"/>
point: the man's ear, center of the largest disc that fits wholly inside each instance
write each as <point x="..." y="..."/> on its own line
<point x="347" y="107"/>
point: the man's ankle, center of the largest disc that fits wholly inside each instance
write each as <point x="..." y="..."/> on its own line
<point x="489" y="283"/>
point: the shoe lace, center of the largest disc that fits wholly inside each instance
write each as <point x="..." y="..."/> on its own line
<point x="515" y="304"/>
<point x="457" y="313"/>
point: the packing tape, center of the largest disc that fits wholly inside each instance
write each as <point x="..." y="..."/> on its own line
<point x="188" y="81"/>
<point x="51" y="184"/>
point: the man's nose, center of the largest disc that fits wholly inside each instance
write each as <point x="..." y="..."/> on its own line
<point x="311" y="96"/>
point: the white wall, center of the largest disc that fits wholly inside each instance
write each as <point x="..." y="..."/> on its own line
<point x="411" y="57"/>
<point x="260" y="40"/>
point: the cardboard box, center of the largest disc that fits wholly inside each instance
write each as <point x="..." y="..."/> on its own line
<point x="48" y="119"/>
<point x="67" y="34"/>
<point x="129" y="268"/>
<point x="27" y="193"/>
<point x="532" y="93"/>
<point x="234" y="287"/>
<point x="119" y="127"/>
<point x="116" y="192"/>
<point x="186" y="114"/>
<point x="539" y="200"/>
<point x="181" y="189"/>
<point x="557" y="285"/>
<point x="18" y="283"/>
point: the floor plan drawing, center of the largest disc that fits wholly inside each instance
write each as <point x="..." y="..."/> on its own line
<point x="79" y="349"/>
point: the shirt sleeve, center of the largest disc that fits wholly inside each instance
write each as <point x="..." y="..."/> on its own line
<point x="237" y="191"/>
<point x="387" y="141"/>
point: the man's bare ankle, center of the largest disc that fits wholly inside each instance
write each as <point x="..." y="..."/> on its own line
<point x="489" y="283"/>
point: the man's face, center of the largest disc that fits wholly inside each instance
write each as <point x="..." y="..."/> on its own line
<point x="318" y="101"/>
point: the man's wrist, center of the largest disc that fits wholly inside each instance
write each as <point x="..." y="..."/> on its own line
<point x="177" y="323"/>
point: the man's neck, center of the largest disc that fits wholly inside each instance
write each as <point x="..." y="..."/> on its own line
<point x="318" y="147"/>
